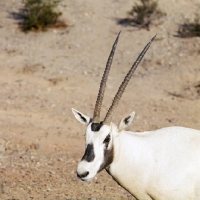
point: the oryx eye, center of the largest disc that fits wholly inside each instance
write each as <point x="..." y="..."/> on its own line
<point x="107" y="140"/>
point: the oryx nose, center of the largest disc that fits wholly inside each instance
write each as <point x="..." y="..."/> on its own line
<point x="83" y="175"/>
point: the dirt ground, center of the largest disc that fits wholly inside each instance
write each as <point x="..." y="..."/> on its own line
<point x="44" y="74"/>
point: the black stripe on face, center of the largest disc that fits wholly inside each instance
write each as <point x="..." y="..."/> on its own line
<point x="108" y="158"/>
<point x="89" y="153"/>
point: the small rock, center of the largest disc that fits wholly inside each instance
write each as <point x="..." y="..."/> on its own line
<point x="38" y="164"/>
<point x="85" y="73"/>
<point x="32" y="158"/>
<point x="160" y="62"/>
<point x="11" y="96"/>
<point x="60" y="159"/>
<point x="180" y="55"/>
<point x="34" y="146"/>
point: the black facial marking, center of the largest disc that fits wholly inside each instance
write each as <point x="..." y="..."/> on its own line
<point x="108" y="158"/>
<point x="126" y="120"/>
<point x="107" y="140"/>
<point x="96" y="126"/>
<point x="89" y="153"/>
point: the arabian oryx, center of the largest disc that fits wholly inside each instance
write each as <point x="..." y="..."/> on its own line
<point x="153" y="165"/>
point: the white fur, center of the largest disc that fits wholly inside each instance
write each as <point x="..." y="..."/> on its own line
<point x="156" y="165"/>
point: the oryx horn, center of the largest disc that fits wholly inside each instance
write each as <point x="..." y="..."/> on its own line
<point x="97" y="109"/>
<point x="122" y="87"/>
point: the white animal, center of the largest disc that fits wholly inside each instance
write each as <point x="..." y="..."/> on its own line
<point x="155" y="165"/>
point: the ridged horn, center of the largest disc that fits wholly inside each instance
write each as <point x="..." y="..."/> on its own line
<point x="122" y="87"/>
<point x="97" y="109"/>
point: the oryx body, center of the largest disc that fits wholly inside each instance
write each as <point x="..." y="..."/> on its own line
<point x="162" y="164"/>
<point x="155" y="165"/>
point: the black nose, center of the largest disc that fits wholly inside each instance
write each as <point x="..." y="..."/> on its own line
<point x="82" y="175"/>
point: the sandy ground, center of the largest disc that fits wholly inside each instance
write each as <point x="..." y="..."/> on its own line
<point x="44" y="74"/>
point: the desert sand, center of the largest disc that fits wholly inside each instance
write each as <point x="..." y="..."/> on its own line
<point x="45" y="74"/>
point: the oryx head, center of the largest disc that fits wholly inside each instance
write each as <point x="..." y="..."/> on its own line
<point x="99" y="149"/>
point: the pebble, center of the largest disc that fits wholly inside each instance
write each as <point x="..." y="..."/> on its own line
<point x="38" y="164"/>
<point x="160" y="62"/>
<point x="34" y="146"/>
<point x="180" y="55"/>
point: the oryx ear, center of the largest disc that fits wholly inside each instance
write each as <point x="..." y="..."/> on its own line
<point x="126" y="121"/>
<point x="81" y="117"/>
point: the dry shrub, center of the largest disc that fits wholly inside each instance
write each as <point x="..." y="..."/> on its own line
<point x="143" y="14"/>
<point x="40" y="14"/>
<point x="190" y="28"/>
